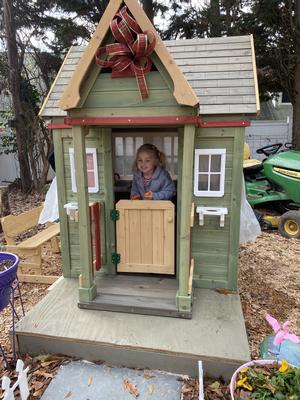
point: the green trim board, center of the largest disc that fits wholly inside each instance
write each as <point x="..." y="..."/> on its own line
<point x="133" y="112"/>
<point x="179" y="190"/>
<point x="62" y="199"/>
<point x="185" y="212"/>
<point x="237" y="178"/>
<point x="106" y="134"/>
<point x="87" y="287"/>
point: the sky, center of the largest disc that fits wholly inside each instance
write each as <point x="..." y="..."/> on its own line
<point x="159" y="21"/>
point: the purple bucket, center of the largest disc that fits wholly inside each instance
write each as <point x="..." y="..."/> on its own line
<point x="7" y="277"/>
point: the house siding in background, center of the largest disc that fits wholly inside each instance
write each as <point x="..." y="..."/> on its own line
<point x="272" y="125"/>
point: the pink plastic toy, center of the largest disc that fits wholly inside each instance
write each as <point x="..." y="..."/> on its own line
<point x="281" y="332"/>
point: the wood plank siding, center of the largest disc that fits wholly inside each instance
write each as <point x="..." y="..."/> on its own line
<point x="110" y="97"/>
<point x="220" y="71"/>
<point x="70" y="249"/>
<point x="213" y="247"/>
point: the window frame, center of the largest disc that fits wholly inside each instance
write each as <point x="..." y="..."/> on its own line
<point x="88" y="150"/>
<point x="209" y="152"/>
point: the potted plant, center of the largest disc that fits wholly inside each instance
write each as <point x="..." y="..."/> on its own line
<point x="266" y="380"/>
<point x="269" y="379"/>
<point x="8" y="272"/>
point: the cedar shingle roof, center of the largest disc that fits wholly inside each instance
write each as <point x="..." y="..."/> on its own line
<point x="221" y="71"/>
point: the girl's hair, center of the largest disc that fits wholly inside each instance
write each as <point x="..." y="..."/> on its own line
<point x="150" y="148"/>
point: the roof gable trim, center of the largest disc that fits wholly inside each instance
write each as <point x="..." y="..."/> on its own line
<point x="183" y="92"/>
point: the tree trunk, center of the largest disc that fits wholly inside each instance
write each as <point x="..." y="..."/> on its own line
<point x="4" y="203"/>
<point x="215" y="29"/>
<point x="15" y="90"/>
<point x="148" y="7"/>
<point x="296" y="92"/>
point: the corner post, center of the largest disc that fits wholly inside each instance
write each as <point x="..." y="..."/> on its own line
<point x="58" y="137"/>
<point x="87" y="289"/>
<point x="235" y="207"/>
<point x="184" y="300"/>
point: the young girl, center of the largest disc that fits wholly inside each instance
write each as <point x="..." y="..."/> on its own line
<point x="151" y="181"/>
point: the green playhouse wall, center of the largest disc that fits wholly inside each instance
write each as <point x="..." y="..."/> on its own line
<point x="109" y="97"/>
<point x="100" y="139"/>
<point x="215" y="249"/>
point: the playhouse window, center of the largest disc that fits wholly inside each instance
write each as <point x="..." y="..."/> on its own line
<point x="126" y="144"/>
<point x="91" y="168"/>
<point x="209" y="172"/>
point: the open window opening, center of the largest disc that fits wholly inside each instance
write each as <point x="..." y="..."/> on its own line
<point x="151" y="228"/>
<point x="125" y="145"/>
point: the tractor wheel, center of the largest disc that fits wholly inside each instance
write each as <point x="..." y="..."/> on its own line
<point x="289" y="224"/>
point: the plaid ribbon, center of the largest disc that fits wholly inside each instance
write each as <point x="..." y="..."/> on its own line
<point x="130" y="55"/>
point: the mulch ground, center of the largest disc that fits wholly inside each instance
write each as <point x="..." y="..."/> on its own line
<point x="269" y="281"/>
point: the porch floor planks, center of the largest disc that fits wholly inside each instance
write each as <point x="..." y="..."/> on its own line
<point x="136" y="294"/>
<point x="216" y="334"/>
<point x="148" y="286"/>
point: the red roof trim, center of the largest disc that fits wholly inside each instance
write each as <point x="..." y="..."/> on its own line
<point x="223" y="124"/>
<point x="59" y="126"/>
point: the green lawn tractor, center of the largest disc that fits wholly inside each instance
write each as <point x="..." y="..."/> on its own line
<point x="273" y="188"/>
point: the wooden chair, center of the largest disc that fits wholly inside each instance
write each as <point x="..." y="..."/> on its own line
<point x="29" y="250"/>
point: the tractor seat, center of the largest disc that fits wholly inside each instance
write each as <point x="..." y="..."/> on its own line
<point x="252" y="166"/>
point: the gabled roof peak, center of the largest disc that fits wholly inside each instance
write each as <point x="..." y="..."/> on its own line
<point x="183" y="92"/>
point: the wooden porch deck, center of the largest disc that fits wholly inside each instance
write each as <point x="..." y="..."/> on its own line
<point x="216" y="333"/>
<point x="138" y="294"/>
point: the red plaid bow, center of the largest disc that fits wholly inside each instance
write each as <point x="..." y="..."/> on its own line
<point x="130" y="56"/>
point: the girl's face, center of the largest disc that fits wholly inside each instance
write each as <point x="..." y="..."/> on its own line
<point x="146" y="163"/>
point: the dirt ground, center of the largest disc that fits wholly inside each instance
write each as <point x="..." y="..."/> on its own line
<point x="269" y="281"/>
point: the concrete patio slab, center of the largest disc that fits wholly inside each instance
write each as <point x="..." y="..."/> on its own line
<point x="82" y="380"/>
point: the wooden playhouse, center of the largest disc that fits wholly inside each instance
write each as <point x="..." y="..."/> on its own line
<point x="192" y="103"/>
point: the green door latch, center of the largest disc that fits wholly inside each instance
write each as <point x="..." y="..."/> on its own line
<point x="115" y="258"/>
<point x="114" y="215"/>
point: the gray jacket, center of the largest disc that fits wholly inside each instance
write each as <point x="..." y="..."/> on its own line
<point x="161" y="185"/>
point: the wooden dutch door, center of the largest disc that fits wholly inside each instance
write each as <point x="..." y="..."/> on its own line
<point x="145" y="236"/>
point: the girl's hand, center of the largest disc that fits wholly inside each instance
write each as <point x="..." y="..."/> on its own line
<point x="136" y="197"/>
<point x="148" y="195"/>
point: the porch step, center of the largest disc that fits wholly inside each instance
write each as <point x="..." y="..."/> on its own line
<point x="136" y="294"/>
<point x="216" y="333"/>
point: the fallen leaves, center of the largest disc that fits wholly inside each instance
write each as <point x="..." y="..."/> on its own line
<point x="148" y="374"/>
<point x="223" y="291"/>
<point x="151" y="389"/>
<point x="189" y="389"/>
<point x="130" y="387"/>
<point x="268" y="276"/>
<point x="216" y="390"/>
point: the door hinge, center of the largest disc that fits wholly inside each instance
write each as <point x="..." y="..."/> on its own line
<point x="115" y="258"/>
<point x="114" y="215"/>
